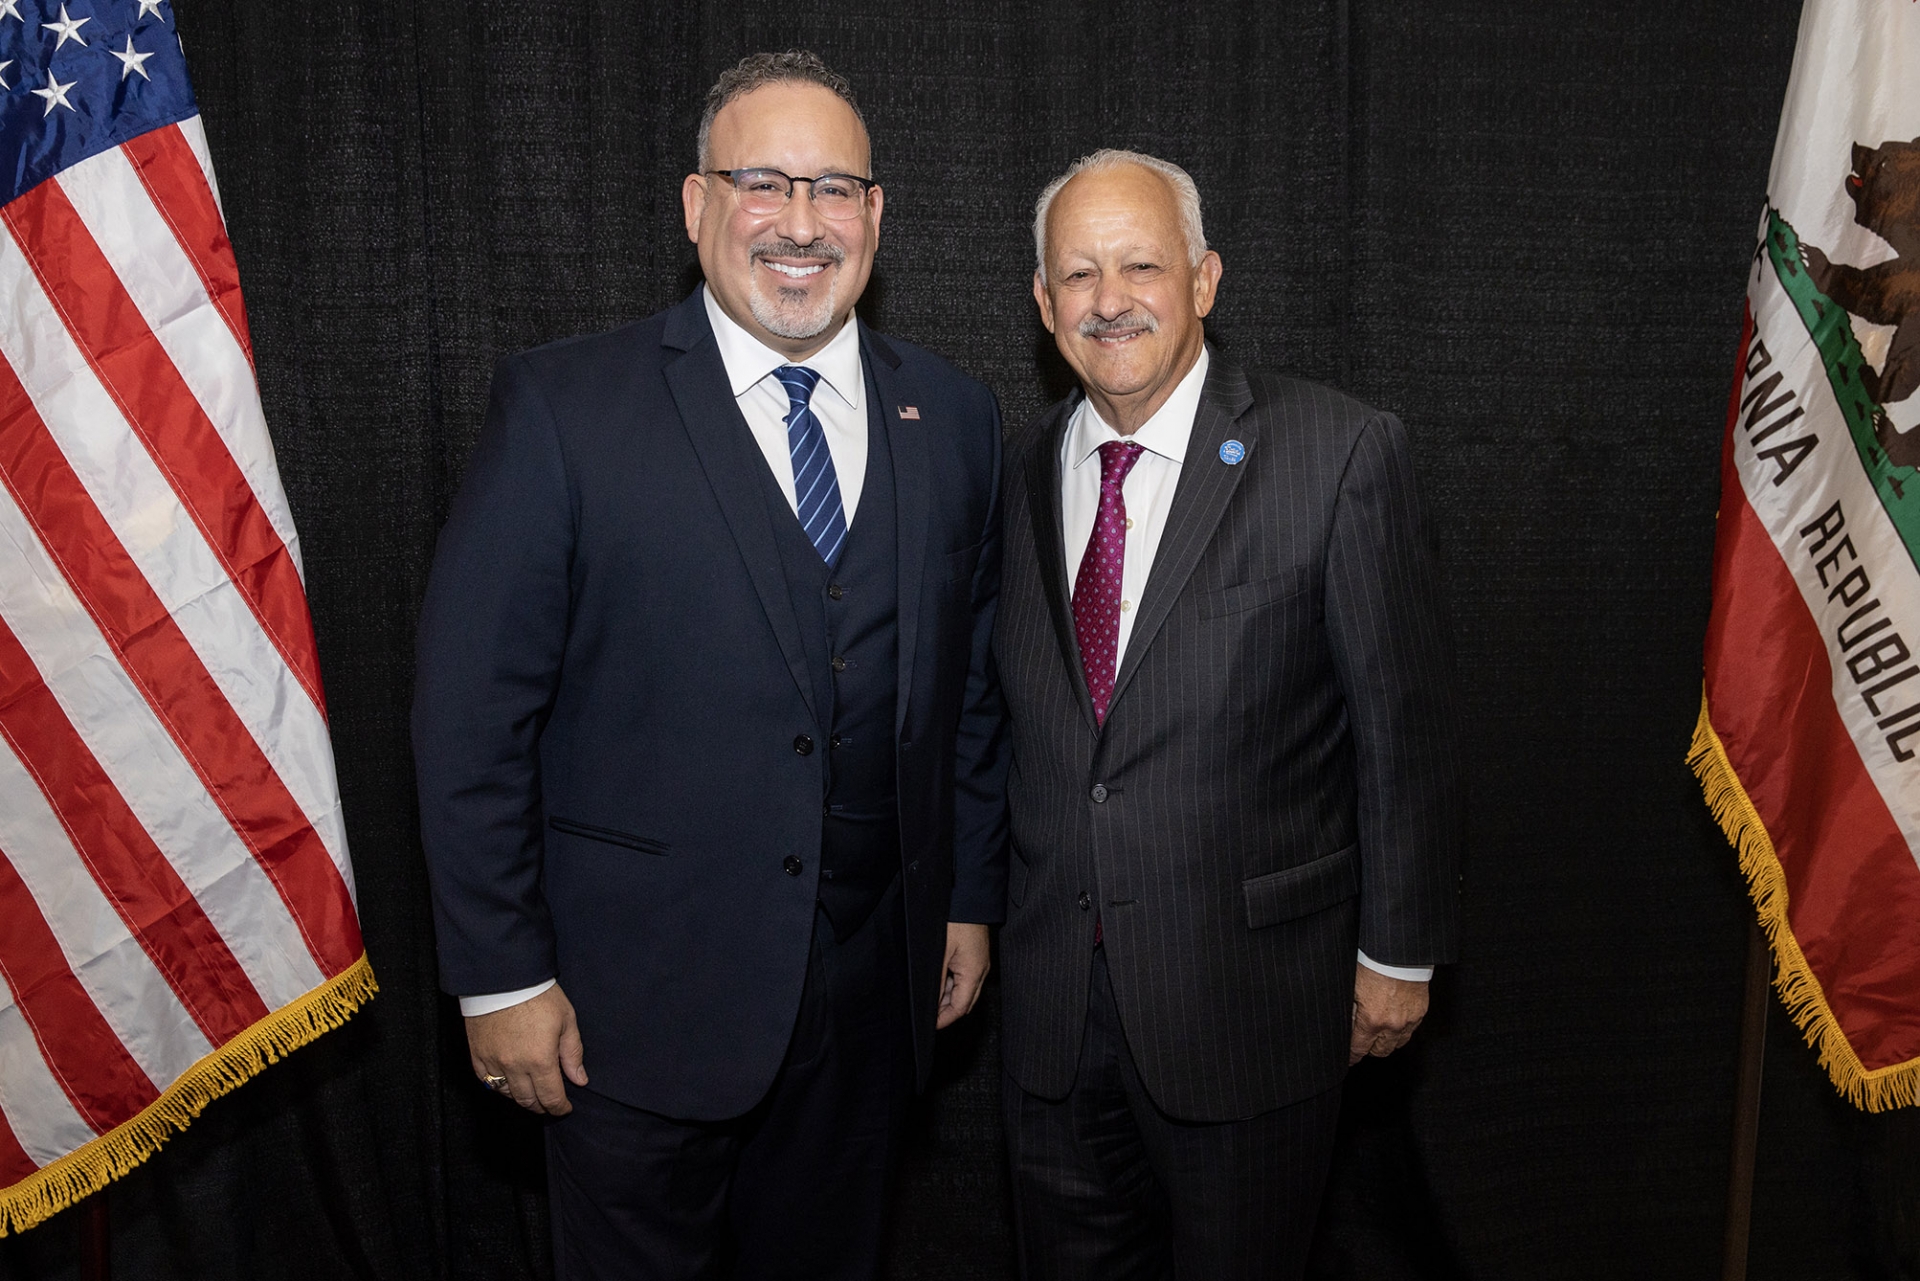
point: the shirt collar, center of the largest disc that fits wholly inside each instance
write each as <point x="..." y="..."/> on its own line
<point x="748" y="360"/>
<point x="1165" y="434"/>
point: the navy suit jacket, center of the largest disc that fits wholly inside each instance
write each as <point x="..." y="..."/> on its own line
<point x="611" y="682"/>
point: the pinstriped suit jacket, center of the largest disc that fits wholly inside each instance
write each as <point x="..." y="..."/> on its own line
<point x="1275" y="782"/>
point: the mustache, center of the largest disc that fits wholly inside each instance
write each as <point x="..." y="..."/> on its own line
<point x="784" y="248"/>
<point x="1095" y="327"/>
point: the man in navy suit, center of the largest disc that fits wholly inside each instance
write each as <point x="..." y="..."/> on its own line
<point x="709" y="753"/>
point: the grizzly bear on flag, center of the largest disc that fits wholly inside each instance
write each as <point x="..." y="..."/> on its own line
<point x="1885" y="186"/>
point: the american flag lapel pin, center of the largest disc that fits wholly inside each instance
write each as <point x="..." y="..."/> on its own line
<point x="910" y="411"/>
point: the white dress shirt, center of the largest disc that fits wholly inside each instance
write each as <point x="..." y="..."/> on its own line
<point x="1148" y="494"/>
<point x="1148" y="490"/>
<point x="839" y="402"/>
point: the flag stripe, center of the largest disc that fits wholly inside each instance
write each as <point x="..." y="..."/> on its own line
<point x="37" y="1108"/>
<point x="169" y="286"/>
<point x="15" y="1164"/>
<point x="137" y="880"/>
<point x="178" y="187"/>
<point x="1851" y="878"/>
<point x="114" y="201"/>
<point x="134" y="996"/>
<point x="145" y="514"/>
<point x="161" y="409"/>
<point x="99" y="1077"/>
<point x="141" y="757"/>
<point x="193" y="131"/>
<point x="151" y="647"/>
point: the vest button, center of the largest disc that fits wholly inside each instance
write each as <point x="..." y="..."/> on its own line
<point x="793" y="866"/>
<point x="803" y="745"/>
<point x="839" y="663"/>
<point x="1085" y="901"/>
<point x="1099" y="793"/>
<point x="835" y="591"/>
<point x="835" y="741"/>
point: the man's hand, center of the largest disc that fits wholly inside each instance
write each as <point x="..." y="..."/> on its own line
<point x="965" y="970"/>
<point x="1385" y="1012"/>
<point x="531" y="1044"/>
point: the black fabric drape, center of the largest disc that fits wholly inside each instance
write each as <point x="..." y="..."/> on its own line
<point x="1521" y="227"/>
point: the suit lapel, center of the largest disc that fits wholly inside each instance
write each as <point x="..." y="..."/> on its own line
<point x="729" y="456"/>
<point x="1043" y="506"/>
<point x="907" y="442"/>
<point x="1199" y="501"/>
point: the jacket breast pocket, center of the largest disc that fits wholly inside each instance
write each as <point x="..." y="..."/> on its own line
<point x="606" y="835"/>
<point x="1241" y="597"/>
<point x="1298" y="891"/>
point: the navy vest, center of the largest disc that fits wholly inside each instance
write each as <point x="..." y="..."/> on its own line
<point x="849" y="622"/>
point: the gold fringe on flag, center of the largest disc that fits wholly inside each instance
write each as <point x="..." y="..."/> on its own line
<point x="86" y="1170"/>
<point x="1875" y="1089"/>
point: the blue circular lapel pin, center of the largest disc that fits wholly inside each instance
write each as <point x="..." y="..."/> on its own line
<point x="1232" y="452"/>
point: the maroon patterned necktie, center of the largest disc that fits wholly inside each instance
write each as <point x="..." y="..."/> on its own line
<point x="1096" y="592"/>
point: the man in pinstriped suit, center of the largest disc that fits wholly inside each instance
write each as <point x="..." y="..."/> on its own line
<point x="1226" y="665"/>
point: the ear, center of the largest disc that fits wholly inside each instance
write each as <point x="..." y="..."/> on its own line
<point x="693" y="202"/>
<point x="1045" y="300"/>
<point x="1206" y="282"/>
<point x="877" y="203"/>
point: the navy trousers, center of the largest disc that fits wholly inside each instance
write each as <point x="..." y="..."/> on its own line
<point x="1107" y="1186"/>
<point x="796" y="1188"/>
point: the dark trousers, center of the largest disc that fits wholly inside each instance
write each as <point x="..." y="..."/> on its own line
<point x="1107" y="1186"/>
<point x="796" y="1188"/>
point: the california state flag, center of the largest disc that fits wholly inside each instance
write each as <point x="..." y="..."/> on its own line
<point x="1808" y="743"/>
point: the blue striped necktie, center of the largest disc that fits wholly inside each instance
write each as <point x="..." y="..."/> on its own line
<point x="816" y="488"/>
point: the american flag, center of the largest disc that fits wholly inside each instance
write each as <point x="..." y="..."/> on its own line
<point x="176" y="903"/>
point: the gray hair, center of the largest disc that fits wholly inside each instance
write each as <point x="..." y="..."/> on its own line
<point x="1185" y="194"/>
<point x="758" y="70"/>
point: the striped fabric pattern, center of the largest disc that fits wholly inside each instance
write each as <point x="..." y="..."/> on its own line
<point x="176" y="901"/>
<point x="816" y="487"/>
<point x="1274" y="784"/>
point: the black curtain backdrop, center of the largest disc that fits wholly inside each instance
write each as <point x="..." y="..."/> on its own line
<point x="1522" y="227"/>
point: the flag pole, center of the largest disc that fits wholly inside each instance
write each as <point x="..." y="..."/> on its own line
<point x="1746" y="1105"/>
<point x="96" y="1255"/>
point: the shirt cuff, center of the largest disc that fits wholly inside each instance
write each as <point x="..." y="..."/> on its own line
<point x="473" y="1007"/>
<point x="1407" y="973"/>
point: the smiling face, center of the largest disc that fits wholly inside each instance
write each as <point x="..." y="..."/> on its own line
<point x="1122" y="297"/>
<point x="789" y="278"/>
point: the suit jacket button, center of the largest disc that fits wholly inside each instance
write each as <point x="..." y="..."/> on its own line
<point x="1086" y="901"/>
<point x="835" y="591"/>
<point x="839" y="663"/>
<point x="793" y="866"/>
<point x="1099" y="793"/>
<point x="803" y="745"/>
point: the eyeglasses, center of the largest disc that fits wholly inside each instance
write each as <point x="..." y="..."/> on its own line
<point x="766" y="191"/>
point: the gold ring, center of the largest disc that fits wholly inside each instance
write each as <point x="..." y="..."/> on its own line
<point x="494" y="1083"/>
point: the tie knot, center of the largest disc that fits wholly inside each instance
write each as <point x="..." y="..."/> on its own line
<point x="799" y="382"/>
<point x="1117" y="458"/>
